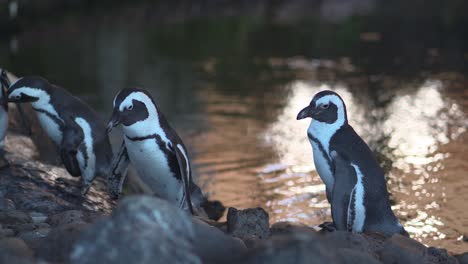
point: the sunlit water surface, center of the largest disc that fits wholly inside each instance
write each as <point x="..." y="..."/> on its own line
<point x="236" y="112"/>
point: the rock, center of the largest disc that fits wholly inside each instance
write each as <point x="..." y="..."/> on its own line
<point x="292" y="248"/>
<point x="439" y="255"/>
<point x="67" y="217"/>
<point x="14" y="250"/>
<point x="142" y="229"/>
<point x="34" y="234"/>
<point x="348" y="240"/>
<point x="58" y="244"/>
<point x="213" y="246"/>
<point x="6" y="233"/>
<point x="463" y="258"/>
<point x="349" y="256"/>
<point x="38" y="217"/>
<point x="282" y="228"/>
<point x="14" y="217"/>
<point x="6" y="204"/>
<point x="401" y="249"/>
<point x="30" y="227"/>
<point x="16" y="247"/>
<point x="247" y="223"/>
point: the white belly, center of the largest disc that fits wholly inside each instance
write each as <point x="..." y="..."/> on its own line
<point x="50" y="127"/>
<point x="322" y="167"/>
<point x="153" y="169"/>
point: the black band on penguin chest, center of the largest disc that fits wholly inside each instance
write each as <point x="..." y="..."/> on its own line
<point x="51" y="116"/>
<point x="322" y="150"/>
<point x="167" y="150"/>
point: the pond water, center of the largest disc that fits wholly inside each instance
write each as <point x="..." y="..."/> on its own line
<point x="232" y="87"/>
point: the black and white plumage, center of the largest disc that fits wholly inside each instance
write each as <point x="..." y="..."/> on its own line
<point x="355" y="183"/>
<point x="154" y="148"/>
<point x="72" y="125"/>
<point x="4" y="84"/>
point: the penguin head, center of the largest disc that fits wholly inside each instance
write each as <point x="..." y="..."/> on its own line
<point x="135" y="110"/>
<point x="326" y="107"/>
<point x="28" y="90"/>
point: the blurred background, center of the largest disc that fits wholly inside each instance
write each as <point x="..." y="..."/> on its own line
<point x="231" y="76"/>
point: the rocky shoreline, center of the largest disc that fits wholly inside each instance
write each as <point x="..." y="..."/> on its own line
<point x="43" y="220"/>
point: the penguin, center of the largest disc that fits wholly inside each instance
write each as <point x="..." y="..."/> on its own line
<point x="155" y="150"/>
<point x="5" y="83"/>
<point x="73" y="126"/>
<point x="356" y="188"/>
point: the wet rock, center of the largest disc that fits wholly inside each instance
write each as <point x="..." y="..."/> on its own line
<point x="349" y="256"/>
<point x="14" y="217"/>
<point x="141" y="229"/>
<point x="38" y="217"/>
<point x="401" y="249"/>
<point x="249" y="222"/>
<point x="58" y="244"/>
<point x="213" y="246"/>
<point x="6" y="204"/>
<point x="292" y="248"/>
<point x="463" y="258"/>
<point x="67" y="217"/>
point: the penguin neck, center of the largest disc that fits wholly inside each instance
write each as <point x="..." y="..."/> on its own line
<point x="323" y="131"/>
<point x="147" y="128"/>
<point x="44" y="104"/>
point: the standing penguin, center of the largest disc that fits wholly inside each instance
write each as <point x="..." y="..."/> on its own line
<point x="4" y="84"/>
<point x="359" y="193"/>
<point x="154" y="148"/>
<point x="72" y="125"/>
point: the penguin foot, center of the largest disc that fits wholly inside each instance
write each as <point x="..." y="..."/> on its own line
<point x="328" y="226"/>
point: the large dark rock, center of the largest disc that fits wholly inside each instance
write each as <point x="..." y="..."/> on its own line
<point x="249" y="223"/>
<point x="213" y="246"/>
<point x="401" y="249"/>
<point x="349" y="256"/>
<point x="292" y="249"/>
<point x="142" y="230"/>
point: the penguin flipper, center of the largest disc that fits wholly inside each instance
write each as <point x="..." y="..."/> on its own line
<point x="70" y="162"/>
<point x="118" y="172"/>
<point x="186" y="175"/>
<point x="72" y="138"/>
<point x="345" y="180"/>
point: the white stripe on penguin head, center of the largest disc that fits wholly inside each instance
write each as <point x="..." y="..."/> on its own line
<point x="42" y="103"/>
<point x="148" y="126"/>
<point x="322" y="131"/>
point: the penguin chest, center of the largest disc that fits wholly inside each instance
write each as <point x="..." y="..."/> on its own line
<point x="153" y="168"/>
<point x="51" y="127"/>
<point x="86" y="157"/>
<point x="322" y="165"/>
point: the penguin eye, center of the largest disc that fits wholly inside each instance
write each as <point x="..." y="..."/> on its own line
<point x="17" y="97"/>
<point x="324" y="106"/>
<point x="130" y="107"/>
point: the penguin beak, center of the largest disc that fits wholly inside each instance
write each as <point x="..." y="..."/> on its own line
<point x="113" y="122"/>
<point x="306" y="112"/>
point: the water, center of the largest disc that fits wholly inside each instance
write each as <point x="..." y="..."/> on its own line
<point x="232" y="87"/>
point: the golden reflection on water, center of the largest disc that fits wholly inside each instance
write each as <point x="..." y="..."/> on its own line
<point x="416" y="125"/>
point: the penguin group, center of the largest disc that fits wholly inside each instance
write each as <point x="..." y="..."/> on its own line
<point x="355" y="183"/>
